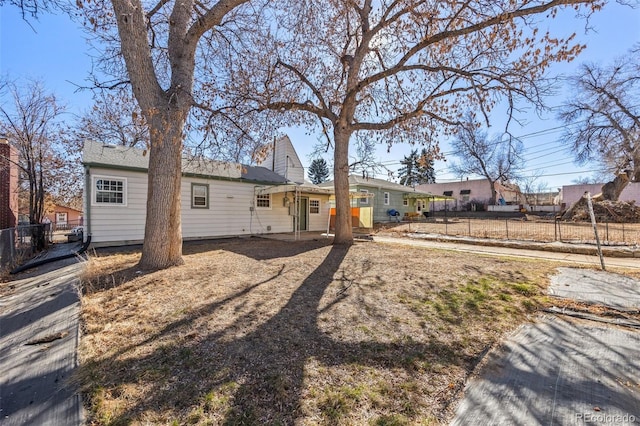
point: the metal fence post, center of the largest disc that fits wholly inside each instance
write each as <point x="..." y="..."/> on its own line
<point x="469" y="222"/>
<point x="506" y="225"/>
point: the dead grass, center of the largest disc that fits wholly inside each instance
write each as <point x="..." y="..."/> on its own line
<point x="254" y="331"/>
<point x="519" y="229"/>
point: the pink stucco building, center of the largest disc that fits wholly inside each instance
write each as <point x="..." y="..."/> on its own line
<point x="469" y="192"/>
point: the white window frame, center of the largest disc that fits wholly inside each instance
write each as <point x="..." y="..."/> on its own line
<point x="62" y="218"/>
<point x="312" y="207"/>
<point x="364" y="200"/>
<point x="94" y="187"/>
<point x="193" y="197"/>
<point x="405" y="202"/>
<point x="387" y="198"/>
<point x="263" y="197"/>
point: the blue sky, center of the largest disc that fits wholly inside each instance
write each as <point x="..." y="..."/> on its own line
<point x="57" y="53"/>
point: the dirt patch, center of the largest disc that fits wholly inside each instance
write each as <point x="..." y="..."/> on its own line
<point x="254" y="331"/>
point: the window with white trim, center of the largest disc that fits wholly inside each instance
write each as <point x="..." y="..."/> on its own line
<point x="405" y="202"/>
<point x="314" y="206"/>
<point x="61" y="218"/>
<point x="263" y="201"/>
<point x="199" y="196"/>
<point x="386" y="198"/>
<point x="364" y="200"/>
<point x="110" y="191"/>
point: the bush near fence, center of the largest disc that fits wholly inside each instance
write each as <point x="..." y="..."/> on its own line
<point x="627" y="234"/>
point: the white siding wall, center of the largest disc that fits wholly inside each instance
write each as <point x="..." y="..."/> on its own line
<point x="318" y="222"/>
<point x="229" y="212"/>
<point x="286" y="161"/>
<point x="118" y="223"/>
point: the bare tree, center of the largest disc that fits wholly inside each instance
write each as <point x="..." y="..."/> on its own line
<point x="30" y="123"/>
<point x="115" y="118"/>
<point x="498" y="160"/>
<point x="167" y="52"/>
<point x="603" y="119"/>
<point x="396" y="71"/>
<point x="531" y="187"/>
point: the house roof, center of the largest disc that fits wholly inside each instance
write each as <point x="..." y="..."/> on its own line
<point x="383" y="184"/>
<point x="62" y="206"/>
<point x="120" y="157"/>
<point x="261" y="174"/>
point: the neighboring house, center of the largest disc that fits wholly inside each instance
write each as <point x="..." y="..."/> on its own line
<point x="283" y="159"/>
<point x="8" y="185"/>
<point x="470" y="194"/>
<point x="63" y="217"/>
<point x="383" y="196"/>
<point x="218" y="199"/>
<point x="572" y="193"/>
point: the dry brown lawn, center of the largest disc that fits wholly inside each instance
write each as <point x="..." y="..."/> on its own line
<point x="255" y="331"/>
<point x="518" y="229"/>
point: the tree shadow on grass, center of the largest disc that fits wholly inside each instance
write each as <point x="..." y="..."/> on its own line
<point x="260" y="372"/>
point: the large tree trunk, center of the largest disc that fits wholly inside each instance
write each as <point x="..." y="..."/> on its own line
<point x="163" y="232"/>
<point x="492" y="185"/>
<point x="343" y="231"/>
<point x="611" y="190"/>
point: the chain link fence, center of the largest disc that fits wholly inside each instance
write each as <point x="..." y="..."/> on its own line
<point x="19" y="243"/>
<point x="614" y="234"/>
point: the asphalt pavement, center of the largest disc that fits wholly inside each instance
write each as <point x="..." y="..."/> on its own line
<point x="39" y="333"/>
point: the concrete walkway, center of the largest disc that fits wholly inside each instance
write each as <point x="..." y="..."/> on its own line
<point x="522" y="251"/>
<point x="39" y="332"/>
<point x="562" y="370"/>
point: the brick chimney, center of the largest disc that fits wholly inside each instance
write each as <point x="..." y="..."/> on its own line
<point x="8" y="184"/>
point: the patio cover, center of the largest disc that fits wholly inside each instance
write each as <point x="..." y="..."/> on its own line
<point x="426" y="196"/>
<point x="277" y="189"/>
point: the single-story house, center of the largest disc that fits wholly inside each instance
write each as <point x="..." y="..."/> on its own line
<point x="572" y="193"/>
<point x="63" y="217"/>
<point x="467" y="194"/>
<point x="219" y="199"/>
<point x="384" y="196"/>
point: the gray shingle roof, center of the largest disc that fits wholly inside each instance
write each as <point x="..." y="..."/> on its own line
<point x="377" y="183"/>
<point x="99" y="154"/>
<point x="261" y="174"/>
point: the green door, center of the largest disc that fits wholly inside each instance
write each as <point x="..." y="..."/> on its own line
<point x="303" y="213"/>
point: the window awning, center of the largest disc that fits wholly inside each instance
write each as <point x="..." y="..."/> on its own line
<point x="448" y="193"/>
<point x="465" y="191"/>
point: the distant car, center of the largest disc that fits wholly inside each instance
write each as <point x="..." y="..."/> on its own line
<point x="75" y="234"/>
<point x="77" y="230"/>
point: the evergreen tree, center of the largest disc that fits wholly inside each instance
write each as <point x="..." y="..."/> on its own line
<point x="417" y="169"/>
<point x="318" y="171"/>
